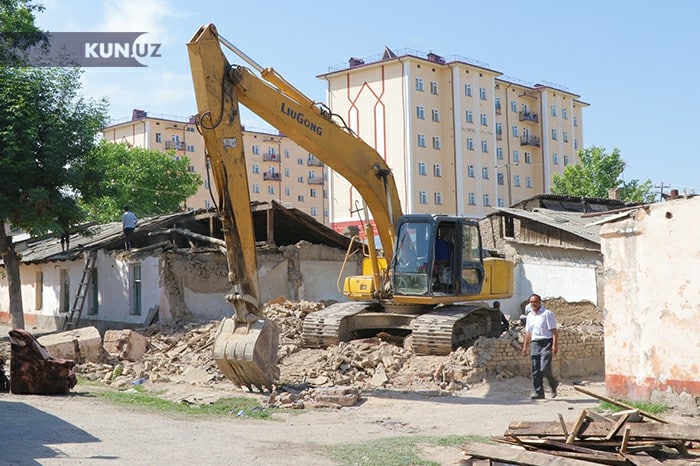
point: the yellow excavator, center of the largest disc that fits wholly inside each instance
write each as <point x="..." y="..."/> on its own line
<point x="427" y="283"/>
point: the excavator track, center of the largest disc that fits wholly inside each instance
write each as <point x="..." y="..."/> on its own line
<point x="440" y="331"/>
<point x="326" y="327"/>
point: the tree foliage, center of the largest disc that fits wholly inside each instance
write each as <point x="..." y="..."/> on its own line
<point x="149" y="181"/>
<point x="596" y="173"/>
<point x="19" y="32"/>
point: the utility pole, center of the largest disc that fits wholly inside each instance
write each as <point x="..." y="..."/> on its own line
<point x="661" y="195"/>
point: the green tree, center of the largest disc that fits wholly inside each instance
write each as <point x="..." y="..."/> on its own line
<point x="46" y="129"/>
<point x="149" y="181"/>
<point x="18" y="32"/>
<point x="596" y="173"/>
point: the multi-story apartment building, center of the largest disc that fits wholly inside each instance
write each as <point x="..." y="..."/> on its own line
<point x="278" y="168"/>
<point x="459" y="137"/>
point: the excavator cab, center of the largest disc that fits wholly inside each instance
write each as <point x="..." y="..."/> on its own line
<point x="437" y="255"/>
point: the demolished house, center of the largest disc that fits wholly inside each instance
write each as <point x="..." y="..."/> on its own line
<point x="174" y="270"/>
<point x="554" y="244"/>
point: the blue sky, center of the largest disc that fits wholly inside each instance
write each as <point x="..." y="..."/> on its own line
<point x="624" y="58"/>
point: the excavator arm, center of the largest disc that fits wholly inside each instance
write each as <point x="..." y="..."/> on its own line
<point x="221" y="86"/>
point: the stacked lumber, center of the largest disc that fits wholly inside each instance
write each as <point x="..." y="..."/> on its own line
<point x="630" y="437"/>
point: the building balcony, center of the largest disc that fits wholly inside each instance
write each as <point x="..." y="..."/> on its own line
<point x="530" y="141"/>
<point x="177" y="145"/>
<point x="267" y="176"/>
<point x="529" y="116"/>
<point x="271" y="157"/>
<point x="314" y="163"/>
<point x="314" y="180"/>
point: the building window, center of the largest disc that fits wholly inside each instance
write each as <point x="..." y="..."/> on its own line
<point x="484" y="146"/>
<point x="135" y="308"/>
<point x="470" y="171"/>
<point x="487" y="200"/>
<point x="314" y="211"/>
<point x="528" y="182"/>
<point x="312" y="192"/>
<point x="436" y="142"/>
<point x="300" y="161"/>
<point x="472" y="199"/>
<point x="437" y="170"/>
<point x="438" y="198"/>
<point x="207" y="204"/>
<point x="421" y="140"/>
<point x="159" y="137"/>
<point x="484" y="120"/>
<point x="470" y="144"/>
<point x="501" y="202"/>
<point x="300" y="179"/>
<point x="190" y="129"/>
<point x="287" y="191"/>
<point x="513" y="106"/>
<point x="436" y="115"/>
<point x="256" y="150"/>
<point x="575" y="144"/>
<point x="256" y="169"/>
<point x="286" y="172"/>
<point x="499" y="153"/>
<point x="528" y="157"/>
<point x="270" y="190"/>
<point x="300" y="198"/>
<point x="419" y="84"/>
<point x="500" y="178"/>
<point x="514" y="131"/>
<point x="566" y="160"/>
<point x="485" y="173"/>
<point x="190" y="169"/>
<point x="554" y="110"/>
<point x="190" y="148"/>
<point x="516" y="156"/>
<point x="286" y="153"/>
<point x="420" y="112"/>
<point x="206" y="184"/>
<point x="256" y="188"/>
<point x="482" y="93"/>
<point x="554" y="134"/>
<point x="565" y="136"/>
<point x="423" y="197"/>
<point x="433" y="87"/>
<point x="516" y="181"/>
<point x="575" y="121"/>
<point x="470" y="117"/>
<point x="555" y="159"/>
<point x="421" y="168"/>
<point x="468" y="90"/>
<point x="564" y="114"/>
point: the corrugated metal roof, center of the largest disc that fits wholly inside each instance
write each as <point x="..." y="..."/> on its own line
<point x="571" y="222"/>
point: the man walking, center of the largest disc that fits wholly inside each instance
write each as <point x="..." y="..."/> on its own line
<point x="541" y="336"/>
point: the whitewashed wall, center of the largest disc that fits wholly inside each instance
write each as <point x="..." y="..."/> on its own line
<point x="652" y="301"/>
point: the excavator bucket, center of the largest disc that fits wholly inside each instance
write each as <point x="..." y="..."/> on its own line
<point x="247" y="353"/>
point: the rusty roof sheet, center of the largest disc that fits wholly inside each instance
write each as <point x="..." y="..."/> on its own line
<point x="571" y="222"/>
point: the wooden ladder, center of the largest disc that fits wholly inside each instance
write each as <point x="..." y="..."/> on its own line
<point x="75" y="312"/>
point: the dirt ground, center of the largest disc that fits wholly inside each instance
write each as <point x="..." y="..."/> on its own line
<point x="80" y="429"/>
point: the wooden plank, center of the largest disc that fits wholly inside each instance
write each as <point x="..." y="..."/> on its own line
<point x="625" y="439"/>
<point x="599" y="429"/>
<point x="616" y="427"/>
<point x="517" y="456"/>
<point x="563" y="425"/>
<point x="618" y="403"/>
<point x="577" y="426"/>
<point x="642" y="459"/>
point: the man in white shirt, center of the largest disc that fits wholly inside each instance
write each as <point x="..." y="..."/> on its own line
<point x="128" y="225"/>
<point x="541" y="336"/>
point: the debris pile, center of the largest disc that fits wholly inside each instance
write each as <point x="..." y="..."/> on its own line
<point x="621" y="438"/>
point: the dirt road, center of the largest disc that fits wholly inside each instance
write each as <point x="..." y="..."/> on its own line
<point x="80" y="429"/>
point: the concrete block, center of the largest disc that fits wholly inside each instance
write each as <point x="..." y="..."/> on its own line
<point x="80" y="345"/>
<point x="125" y="344"/>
